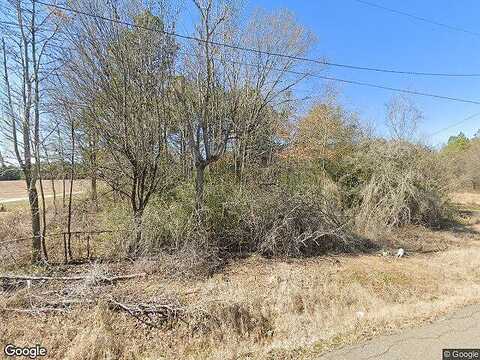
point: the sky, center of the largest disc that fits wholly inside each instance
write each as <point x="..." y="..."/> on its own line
<point x="353" y="33"/>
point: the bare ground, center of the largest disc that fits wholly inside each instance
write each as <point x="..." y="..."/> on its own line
<point x="466" y="199"/>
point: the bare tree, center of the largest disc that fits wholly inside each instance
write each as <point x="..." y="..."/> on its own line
<point x="25" y="63"/>
<point x="2" y="161"/>
<point x="473" y="159"/>
<point x="227" y="93"/>
<point x="403" y="118"/>
<point x="205" y="93"/>
<point x="267" y="81"/>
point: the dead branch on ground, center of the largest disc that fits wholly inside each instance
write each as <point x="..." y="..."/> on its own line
<point x="67" y="278"/>
<point x="150" y="314"/>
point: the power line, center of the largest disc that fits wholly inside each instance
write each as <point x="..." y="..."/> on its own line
<point x="257" y="51"/>
<point x="360" y="83"/>
<point x="353" y="82"/>
<point x="418" y="18"/>
<point x="455" y="124"/>
<point x="345" y="81"/>
<point x="376" y="86"/>
<point x="404" y="91"/>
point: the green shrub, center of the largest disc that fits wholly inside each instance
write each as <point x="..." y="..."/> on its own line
<point x="298" y="211"/>
<point x="10" y="173"/>
<point x="273" y="220"/>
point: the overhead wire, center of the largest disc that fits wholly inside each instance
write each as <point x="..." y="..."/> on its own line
<point x="418" y="18"/>
<point x="258" y="51"/>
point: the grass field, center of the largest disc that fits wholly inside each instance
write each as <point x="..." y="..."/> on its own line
<point x="465" y="199"/>
<point x="15" y="191"/>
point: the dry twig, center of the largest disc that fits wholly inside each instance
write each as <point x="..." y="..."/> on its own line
<point x="67" y="278"/>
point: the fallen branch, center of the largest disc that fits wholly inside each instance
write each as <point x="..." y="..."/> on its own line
<point x="145" y="312"/>
<point x="51" y="306"/>
<point x="93" y="232"/>
<point x="67" y="303"/>
<point x="68" y="278"/>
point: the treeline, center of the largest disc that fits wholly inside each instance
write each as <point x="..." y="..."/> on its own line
<point x="7" y="171"/>
<point x="202" y="141"/>
<point x="462" y="154"/>
<point x="57" y="171"/>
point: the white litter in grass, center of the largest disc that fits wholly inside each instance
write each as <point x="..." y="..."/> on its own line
<point x="400" y="253"/>
<point x="360" y="315"/>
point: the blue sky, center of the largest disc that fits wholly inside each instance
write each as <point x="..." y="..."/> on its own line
<point x="353" y="33"/>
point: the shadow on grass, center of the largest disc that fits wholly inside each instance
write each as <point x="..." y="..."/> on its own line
<point x="326" y="247"/>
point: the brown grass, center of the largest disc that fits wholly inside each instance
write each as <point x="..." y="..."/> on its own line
<point x="16" y="188"/>
<point x="466" y="199"/>
<point x="258" y="308"/>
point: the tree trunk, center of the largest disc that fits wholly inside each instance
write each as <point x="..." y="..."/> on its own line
<point x="44" y="218"/>
<point x="69" y="218"/>
<point x="54" y="191"/>
<point x="134" y="246"/>
<point x="36" y="228"/>
<point x="93" y="175"/>
<point x="94" y="195"/>
<point x="199" y="190"/>
<point x="64" y="187"/>
<point x="70" y="199"/>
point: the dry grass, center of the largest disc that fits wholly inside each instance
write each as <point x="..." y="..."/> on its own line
<point x="16" y="188"/>
<point x="466" y="199"/>
<point x="15" y="224"/>
<point x="258" y="308"/>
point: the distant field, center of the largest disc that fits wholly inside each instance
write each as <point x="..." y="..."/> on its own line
<point x="466" y="198"/>
<point x="12" y="191"/>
